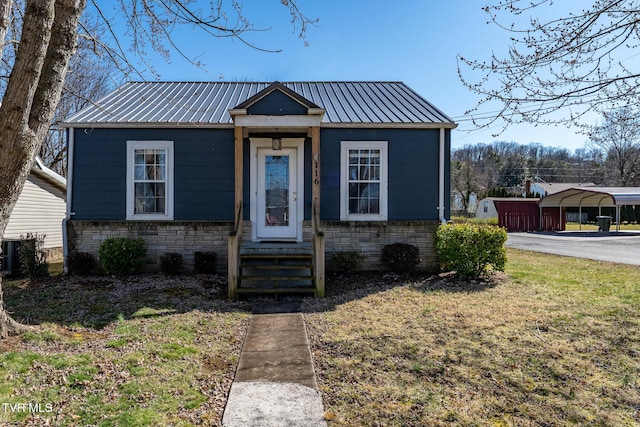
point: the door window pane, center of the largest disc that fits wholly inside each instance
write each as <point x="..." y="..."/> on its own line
<point x="276" y="191"/>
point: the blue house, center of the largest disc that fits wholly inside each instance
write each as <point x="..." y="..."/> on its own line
<point x="263" y="174"/>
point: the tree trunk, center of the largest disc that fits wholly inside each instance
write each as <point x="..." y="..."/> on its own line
<point x="33" y="90"/>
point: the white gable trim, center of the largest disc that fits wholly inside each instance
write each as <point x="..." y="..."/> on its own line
<point x="277" y="121"/>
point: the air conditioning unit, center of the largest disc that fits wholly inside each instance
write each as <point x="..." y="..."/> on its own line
<point x="9" y="259"/>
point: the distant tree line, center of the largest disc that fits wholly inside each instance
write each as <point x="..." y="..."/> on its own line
<point x="502" y="168"/>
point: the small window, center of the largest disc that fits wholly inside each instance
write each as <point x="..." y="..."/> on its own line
<point x="486" y="206"/>
<point x="150" y="180"/>
<point x="363" y="180"/>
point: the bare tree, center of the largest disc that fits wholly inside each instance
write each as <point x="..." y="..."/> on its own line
<point x="557" y="70"/>
<point x="465" y="180"/>
<point x="33" y="89"/>
<point x="618" y="138"/>
<point x="89" y="77"/>
<point x="47" y="41"/>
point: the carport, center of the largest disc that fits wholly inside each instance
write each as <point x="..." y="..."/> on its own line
<point x="593" y="197"/>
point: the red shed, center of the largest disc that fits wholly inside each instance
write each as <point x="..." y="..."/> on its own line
<point x="520" y="214"/>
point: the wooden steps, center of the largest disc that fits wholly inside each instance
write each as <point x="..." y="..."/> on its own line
<point x="276" y="268"/>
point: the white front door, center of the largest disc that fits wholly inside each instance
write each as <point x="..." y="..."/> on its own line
<point x="277" y="198"/>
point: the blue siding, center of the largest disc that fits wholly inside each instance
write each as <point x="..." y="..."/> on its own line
<point x="277" y="104"/>
<point x="203" y="174"/>
<point x="99" y="175"/>
<point x="413" y="170"/>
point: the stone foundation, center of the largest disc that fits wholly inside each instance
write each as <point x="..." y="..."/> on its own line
<point x="184" y="237"/>
<point x="368" y="238"/>
<point x="188" y="237"/>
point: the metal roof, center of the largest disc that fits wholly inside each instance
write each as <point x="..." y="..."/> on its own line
<point x="556" y="187"/>
<point x="593" y="197"/>
<point x="208" y="104"/>
<point x="40" y="169"/>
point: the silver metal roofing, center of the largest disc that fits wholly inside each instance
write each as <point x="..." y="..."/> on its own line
<point x="593" y="197"/>
<point x="208" y="103"/>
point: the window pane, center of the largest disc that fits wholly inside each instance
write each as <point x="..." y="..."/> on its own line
<point x="139" y="157"/>
<point x="139" y="172"/>
<point x="364" y="173"/>
<point x="160" y="205"/>
<point x="353" y="190"/>
<point x="159" y="189"/>
<point x="161" y="157"/>
<point x="375" y="173"/>
<point x="353" y="205"/>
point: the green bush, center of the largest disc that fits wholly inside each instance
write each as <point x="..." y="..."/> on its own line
<point x="122" y="255"/>
<point x="171" y="263"/>
<point x="400" y="257"/>
<point x="345" y="261"/>
<point x="204" y="262"/>
<point x="470" y="250"/>
<point x="33" y="256"/>
<point x="80" y="263"/>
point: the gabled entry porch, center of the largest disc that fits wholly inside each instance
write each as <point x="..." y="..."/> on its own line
<point x="274" y="256"/>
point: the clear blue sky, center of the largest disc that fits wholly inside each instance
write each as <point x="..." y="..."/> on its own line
<point x="414" y="41"/>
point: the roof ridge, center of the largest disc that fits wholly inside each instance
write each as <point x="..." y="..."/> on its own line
<point x="263" y="81"/>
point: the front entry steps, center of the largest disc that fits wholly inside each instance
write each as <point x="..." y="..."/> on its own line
<point x="276" y="268"/>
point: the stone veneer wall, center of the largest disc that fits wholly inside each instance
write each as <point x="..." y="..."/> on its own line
<point x="368" y="238"/>
<point x="185" y="237"/>
<point x="188" y="237"/>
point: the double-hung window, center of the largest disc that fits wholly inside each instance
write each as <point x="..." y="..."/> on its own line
<point x="364" y="170"/>
<point x="150" y="180"/>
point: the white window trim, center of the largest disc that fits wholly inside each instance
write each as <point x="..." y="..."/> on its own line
<point x="138" y="145"/>
<point x="344" y="181"/>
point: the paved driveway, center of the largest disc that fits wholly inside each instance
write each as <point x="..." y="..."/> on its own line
<point x="623" y="247"/>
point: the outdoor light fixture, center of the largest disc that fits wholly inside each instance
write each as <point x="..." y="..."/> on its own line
<point x="276" y="143"/>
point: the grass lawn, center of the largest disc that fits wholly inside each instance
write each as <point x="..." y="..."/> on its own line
<point x="143" y="351"/>
<point x="553" y="342"/>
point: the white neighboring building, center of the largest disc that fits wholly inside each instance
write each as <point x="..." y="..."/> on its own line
<point x="40" y="209"/>
<point x="456" y="202"/>
<point x="486" y="207"/>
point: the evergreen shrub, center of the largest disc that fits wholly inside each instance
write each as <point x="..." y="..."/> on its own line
<point x="400" y="257"/>
<point x="171" y="263"/>
<point x="33" y="256"/>
<point x="345" y="261"/>
<point x="470" y="249"/>
<point x="204" y="262"/>
<point x="80" y="263"/>
<point x="122" y="255"/>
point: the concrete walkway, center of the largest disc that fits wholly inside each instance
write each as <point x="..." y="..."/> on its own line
<point x="275" y="384"/>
